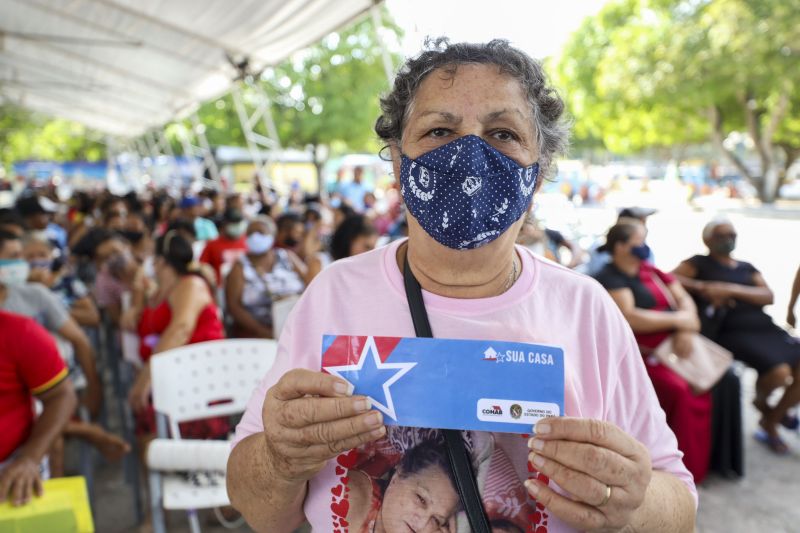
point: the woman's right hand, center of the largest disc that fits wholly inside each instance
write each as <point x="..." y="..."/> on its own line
<point x="309" y="418"/>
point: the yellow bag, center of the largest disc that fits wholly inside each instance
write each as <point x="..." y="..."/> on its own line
<point x="64" y="508"/>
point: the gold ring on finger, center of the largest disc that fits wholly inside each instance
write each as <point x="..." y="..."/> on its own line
<point x="607" y="496"/>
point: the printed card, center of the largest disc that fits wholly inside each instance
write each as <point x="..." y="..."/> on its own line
<point x="451" y="384"/>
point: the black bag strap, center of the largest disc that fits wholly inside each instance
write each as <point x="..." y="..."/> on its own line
<point x="457" y="453"/>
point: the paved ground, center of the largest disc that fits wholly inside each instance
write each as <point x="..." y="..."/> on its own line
<point x="766" y="500"/>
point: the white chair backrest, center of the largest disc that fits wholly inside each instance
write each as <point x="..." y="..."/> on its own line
<point x="208" y="379"/>
<point x="280" y="312"/>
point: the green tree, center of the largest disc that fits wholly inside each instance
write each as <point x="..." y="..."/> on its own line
<point x="665" y="72"/>
<point x="28" y="135"/>
<point x="325" y="95"/>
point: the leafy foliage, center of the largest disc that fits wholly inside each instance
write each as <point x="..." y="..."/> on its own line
<point x="325" y="95"/>
<point x="28" y="135"/>
<point x="646" y="73"/>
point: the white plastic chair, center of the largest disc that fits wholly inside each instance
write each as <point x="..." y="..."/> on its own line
<point x="197" y="381"/>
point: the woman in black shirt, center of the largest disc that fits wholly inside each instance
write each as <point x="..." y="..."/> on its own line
<point x="731" y="296"/>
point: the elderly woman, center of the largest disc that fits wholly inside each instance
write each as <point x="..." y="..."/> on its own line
<point x="657" y="307"/>
<point x="731" y="296"/>
<point x="611" y="463"/>
<point x="259" y="278"/>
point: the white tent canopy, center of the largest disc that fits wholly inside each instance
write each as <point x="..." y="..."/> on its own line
<point x="126" y="66"/>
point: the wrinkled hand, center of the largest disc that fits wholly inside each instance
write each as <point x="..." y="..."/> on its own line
<point x="309" y="419"/>
<point x="682" y="343"/>
<point x="139" y="395"/>
<point x="583" y="457"/>
<point x="20" y="481"/>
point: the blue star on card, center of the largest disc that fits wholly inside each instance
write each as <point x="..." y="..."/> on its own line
<point x="373" y="378"/>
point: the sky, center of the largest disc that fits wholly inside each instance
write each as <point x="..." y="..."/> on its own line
<point x="539" y="27"/>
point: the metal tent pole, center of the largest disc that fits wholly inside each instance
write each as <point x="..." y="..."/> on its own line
<point x="166" y="148"/>
<point x="188" y="153"/>
<point x="256" y="141"/>
<point x="388" y="68"/>
<point x="209" y="162"/>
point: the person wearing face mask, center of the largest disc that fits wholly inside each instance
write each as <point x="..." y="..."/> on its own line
<point x="117" y="271"/>
<point x="38" y="251"/>
<point x="644" y="295"/>
<point x="472" y="130"/>
<point x="181" y="311"/>
<point x="261" y="276"/>
<point x="290" y="232"/>
<point x="35" y="301"/>
<point x="731" y="295"/>
<point x="59" y="278"/>
<point x="226" y="249"/>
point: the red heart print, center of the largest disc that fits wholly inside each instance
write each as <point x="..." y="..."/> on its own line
<point x="337" y="491"/>
<point x="345" y="480"/>
<point x="348" y="460"/>
<point x="344" y="522"/>
<point x="341" y="507"/>
<point x="340" y="471"/>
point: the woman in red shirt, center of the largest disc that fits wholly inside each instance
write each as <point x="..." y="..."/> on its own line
<point x="181" y="312"/>
<point x="644" y="294"/>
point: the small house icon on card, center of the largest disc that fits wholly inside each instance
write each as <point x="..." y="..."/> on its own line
<point x="490" y="354"/>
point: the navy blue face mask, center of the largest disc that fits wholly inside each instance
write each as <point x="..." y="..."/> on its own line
<point x="641" y="252"/>
<point x="466" y="193"/>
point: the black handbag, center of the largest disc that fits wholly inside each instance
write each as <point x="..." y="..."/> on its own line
<point x="457" y="452"/>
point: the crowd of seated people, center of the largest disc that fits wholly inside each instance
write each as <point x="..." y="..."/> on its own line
<point x="176" y="269"/>
<point x="171" y="269"/>
<point x="721" y="298"/>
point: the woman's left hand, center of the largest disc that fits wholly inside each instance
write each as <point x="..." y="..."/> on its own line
<point x="605" y="470"/>
<point x="139" y="395"/>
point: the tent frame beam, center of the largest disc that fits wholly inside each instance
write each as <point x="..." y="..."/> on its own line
<point x="255" y="141"/>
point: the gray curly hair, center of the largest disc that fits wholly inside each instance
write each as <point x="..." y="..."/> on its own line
<point x="551" y="129"/>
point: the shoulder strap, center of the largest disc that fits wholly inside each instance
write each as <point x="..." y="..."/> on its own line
<point x="457" y="452"/>
<point x="673" y="304"/>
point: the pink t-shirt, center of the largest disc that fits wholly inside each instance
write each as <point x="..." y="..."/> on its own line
<point x="605" y="379"/>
